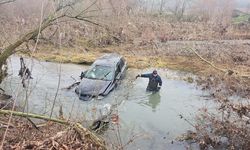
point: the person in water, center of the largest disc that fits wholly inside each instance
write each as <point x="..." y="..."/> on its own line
<point x="155" y="81"/>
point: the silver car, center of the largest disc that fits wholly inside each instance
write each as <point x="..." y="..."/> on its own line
<point x="102" y="77"/>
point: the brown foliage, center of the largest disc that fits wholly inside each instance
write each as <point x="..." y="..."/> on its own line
<point x="49" y="135"/>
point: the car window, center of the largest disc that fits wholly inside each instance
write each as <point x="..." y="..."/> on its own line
<point x="100" y="73"/>
<point x="119" y="66"/>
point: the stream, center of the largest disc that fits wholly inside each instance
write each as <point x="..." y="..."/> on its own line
<point x="151" y="118"/>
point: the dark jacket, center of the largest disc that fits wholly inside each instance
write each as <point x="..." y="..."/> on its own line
<point x="153" y="81"/>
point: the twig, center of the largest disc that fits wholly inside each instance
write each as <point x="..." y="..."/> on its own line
<point x="84" y="19"/>
<point x="220" y="69"/>
<point x="182" y="117"/>
<point x="57" y="90"/>
<point x="72" y="85"/>
<point x="82" y="12"/>
<point x="131" y="140"/>
<point x="33" y="124"/>
<point x="73" y="78"/>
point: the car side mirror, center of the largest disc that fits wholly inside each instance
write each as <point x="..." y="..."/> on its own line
<point x="83" y="74"/>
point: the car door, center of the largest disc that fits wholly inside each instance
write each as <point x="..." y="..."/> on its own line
<point x="117" y="71"/>
<point x="120" y="69"/>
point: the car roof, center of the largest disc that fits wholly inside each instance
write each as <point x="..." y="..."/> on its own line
<point x="108" y="60"/>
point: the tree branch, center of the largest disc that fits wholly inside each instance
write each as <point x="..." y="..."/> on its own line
<point x="29" y="115"/>
<point x="226" y="71"/>
<point x="212" y="65"/>
<point x="9" y="50"/>
<point x="86" y="8"/>
<point x="83" y="19"/>
<point x="6" y="1"/>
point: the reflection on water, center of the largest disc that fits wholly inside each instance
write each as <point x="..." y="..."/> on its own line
<point x="154" y="115"/>
<point x="153" y="99"/>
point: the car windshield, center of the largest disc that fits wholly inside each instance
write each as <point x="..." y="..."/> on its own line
<point x="100" y="73"/>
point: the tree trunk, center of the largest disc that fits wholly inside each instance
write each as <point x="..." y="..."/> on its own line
<point x="9" y="50"/>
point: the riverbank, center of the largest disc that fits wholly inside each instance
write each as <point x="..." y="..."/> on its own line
<point x="207" y="59"/>
<point x="23" y="133"/>
<point x="139" y="62"/>
<point x="173" y="55"/>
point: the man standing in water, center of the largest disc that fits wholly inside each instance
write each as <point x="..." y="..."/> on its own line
<point x="154" y="81"/>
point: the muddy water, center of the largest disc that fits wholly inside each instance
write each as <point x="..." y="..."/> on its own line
<point x="152" y="118"/>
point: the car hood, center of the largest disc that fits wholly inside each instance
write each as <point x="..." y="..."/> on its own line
<point x="92" y="87"/>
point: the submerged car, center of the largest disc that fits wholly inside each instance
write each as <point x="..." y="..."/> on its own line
<point x="102" y="77"/>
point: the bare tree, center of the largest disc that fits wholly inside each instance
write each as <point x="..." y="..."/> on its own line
<point x="162" y="6"/>
<point x="63" y="9"/>
<point x="217" y="12"/>
<point x="179" y="9"/>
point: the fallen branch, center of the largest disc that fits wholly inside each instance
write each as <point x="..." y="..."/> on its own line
<point x="29" y="115"/>
<point x="33" y="124"/>
<point x="78" y="127"/>
<point x="72" y="86"/>
<point x="220" y="69"/>
<point x="225" y="71"/>
<point x="83" y="131"/>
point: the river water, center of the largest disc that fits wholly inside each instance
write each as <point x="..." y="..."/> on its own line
<point x="152" y="119"/>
